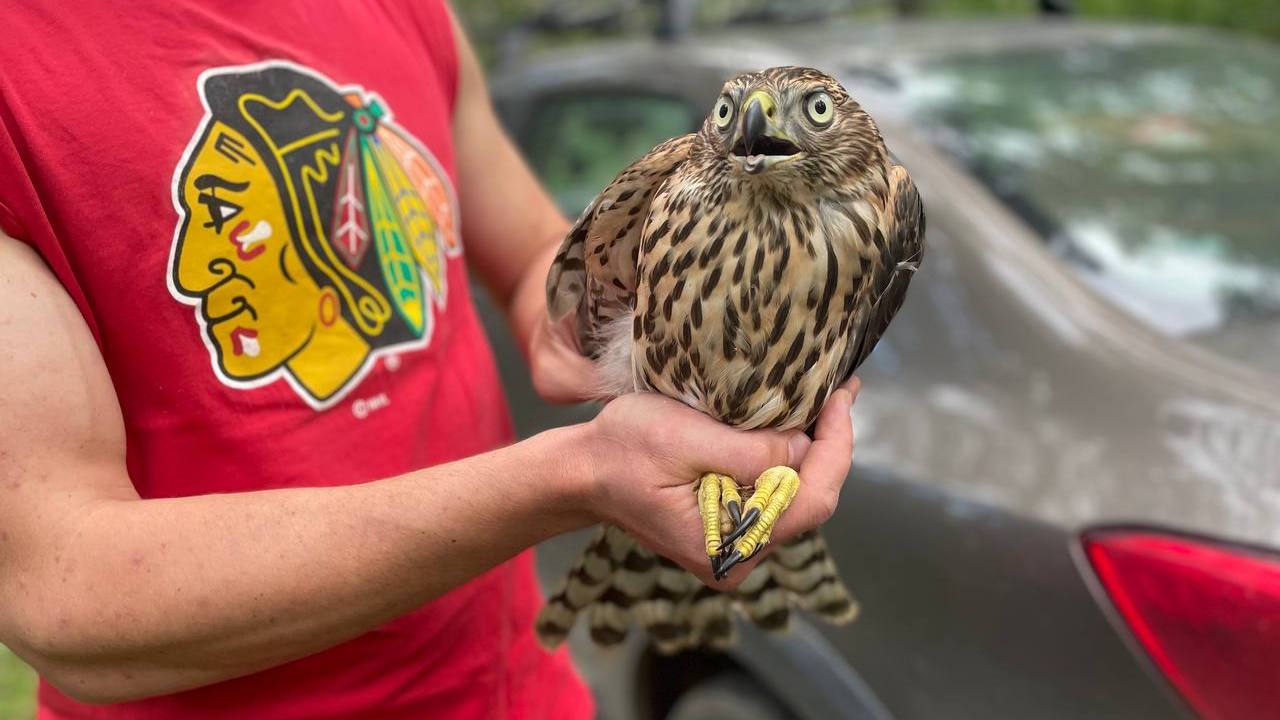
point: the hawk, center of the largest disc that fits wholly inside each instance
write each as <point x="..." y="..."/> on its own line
<point x="747" y="270"/>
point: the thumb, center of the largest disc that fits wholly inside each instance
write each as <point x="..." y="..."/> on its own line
<point x="749" y="453"/>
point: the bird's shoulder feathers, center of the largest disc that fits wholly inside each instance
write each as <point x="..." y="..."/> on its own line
<point x="899" y="239"/>
<point x="594" y="272"/>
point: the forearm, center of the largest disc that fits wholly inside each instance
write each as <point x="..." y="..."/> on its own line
<point x="512" y="225"/>
<point x="527" y="306"/>
<point x="152" y="596"/>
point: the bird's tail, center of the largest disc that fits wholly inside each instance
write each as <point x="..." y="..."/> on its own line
<point x="617" y="582"/>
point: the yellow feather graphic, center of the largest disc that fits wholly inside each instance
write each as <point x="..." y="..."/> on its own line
<point x="416" y="220"/>
<point x="429" y="180"/>
<point x="399" y="268"/>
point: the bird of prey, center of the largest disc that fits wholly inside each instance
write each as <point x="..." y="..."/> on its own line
<point x="747" y="270"/>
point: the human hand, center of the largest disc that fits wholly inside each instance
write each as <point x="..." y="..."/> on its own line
<point x="560" y="373"/>
<point x="648" y="452"/>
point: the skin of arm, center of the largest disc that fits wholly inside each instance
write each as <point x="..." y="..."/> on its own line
<point x="513" y="230"/>
<point x="112" y="597"/>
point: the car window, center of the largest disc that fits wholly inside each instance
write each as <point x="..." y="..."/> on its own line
<point x="577" y="143"/>
<point x="1151" y="168"/>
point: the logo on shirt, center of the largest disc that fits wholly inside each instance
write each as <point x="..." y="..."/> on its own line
<point x="314" y="233"/>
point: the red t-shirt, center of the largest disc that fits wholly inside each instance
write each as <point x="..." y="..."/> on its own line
<point x="252" y="203"/>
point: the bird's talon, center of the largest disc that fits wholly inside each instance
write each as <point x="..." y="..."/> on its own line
<point x="716" y="493"/>
<point x="774" y="491"/>
<point x="752" y="522"/>
<point x="745" y="524"/>
<point x="730" y="561"/>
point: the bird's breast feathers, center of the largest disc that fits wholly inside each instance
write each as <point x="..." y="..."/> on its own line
<point x="745" y="301"/>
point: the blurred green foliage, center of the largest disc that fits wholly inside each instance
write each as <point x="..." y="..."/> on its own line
<point x="1247" y="16"/>
<point x="490" y="21"/>
<point x="17" y="687"/>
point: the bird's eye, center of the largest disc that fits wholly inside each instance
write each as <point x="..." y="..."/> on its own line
<point x="820" y="108"/>
<point x="723" y="112"/>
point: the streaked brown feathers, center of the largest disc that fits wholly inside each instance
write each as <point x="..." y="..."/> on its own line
<point x="749" y="297"/>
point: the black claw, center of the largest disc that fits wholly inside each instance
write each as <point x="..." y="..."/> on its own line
<point x="747" y="521"/>
<point x="735" y="512"/>
<point x="727" y="564"/>
<point x="715" y="567"/>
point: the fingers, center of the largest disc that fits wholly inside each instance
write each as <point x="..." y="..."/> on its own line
<point x="694" y="443"/>
<point x="560" y="373"/>
<point x="669" y="444"/>
<point x="561" y="333"/>
<point x="830" y="422"/>
<point x="824" y="469"/>
<point x="744" y="455"/>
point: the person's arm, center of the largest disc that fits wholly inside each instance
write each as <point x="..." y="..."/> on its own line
<point x="512" y="231"/>
<point x="112" y="597"/>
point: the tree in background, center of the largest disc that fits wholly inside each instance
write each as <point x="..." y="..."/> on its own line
<point x="491" y="21"/>
<point x="1247" y="16"/>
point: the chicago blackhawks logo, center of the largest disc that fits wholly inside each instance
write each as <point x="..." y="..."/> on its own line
<point x="314" y="233"/>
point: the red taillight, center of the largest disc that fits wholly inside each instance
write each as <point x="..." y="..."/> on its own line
<point x="1208" y="615"/>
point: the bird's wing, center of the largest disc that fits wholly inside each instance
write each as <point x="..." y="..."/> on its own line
<point x="902" y="227"/>
<point x="594" y="273"/>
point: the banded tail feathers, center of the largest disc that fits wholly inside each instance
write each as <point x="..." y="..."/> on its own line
<point x="618" y="583"/>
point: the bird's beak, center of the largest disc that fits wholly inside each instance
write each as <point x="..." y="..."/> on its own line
<point x="755" y="120"/>
<point x="762" y="142"/>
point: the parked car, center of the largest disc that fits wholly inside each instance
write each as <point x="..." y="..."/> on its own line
<point x="1066" y="487"/>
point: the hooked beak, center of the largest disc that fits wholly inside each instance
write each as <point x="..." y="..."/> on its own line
<point x="753" y="124"/>
<point x="762" y="142"/>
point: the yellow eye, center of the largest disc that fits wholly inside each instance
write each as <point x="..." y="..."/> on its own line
<point x="723" y="112"/>
<point x="820" y="108"/>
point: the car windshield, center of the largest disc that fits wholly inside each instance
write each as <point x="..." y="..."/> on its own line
<point x="1152" y="168"/>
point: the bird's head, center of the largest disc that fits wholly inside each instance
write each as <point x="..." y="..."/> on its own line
<point x="789" y="124"/>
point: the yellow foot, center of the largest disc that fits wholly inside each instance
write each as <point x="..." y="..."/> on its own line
<point x="774" y="491"/>
<point x="716" y="492"/>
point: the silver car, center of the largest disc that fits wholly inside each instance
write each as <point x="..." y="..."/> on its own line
<point x="1067" y="478"/>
